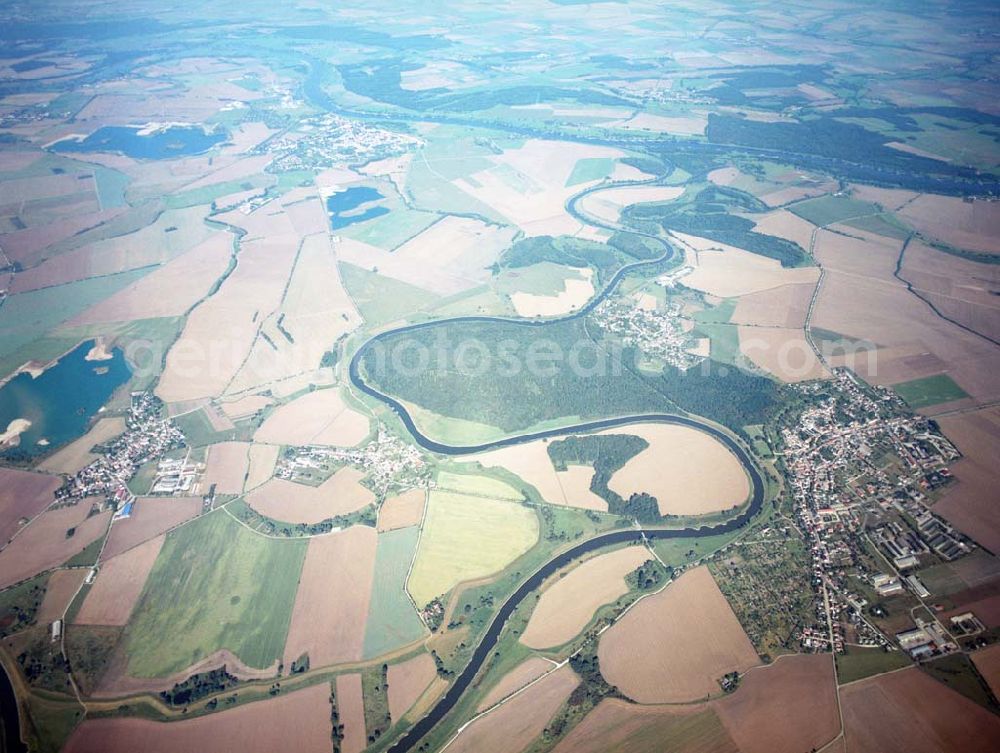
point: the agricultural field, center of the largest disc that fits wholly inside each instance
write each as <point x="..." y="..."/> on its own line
<point x="510" y="727"/>
<point x="676" y="645"/>
<point x="23" y="495"/>
<point x="928" y="391"/>
<point x="120" y="581"/>
<point x="51" y="539"/>
<point x="519" y="677"/>
<point x="392" y="619"/>
<point x="688" y="471"/>
<point x="255" y="728"/>
<point x="908" y="710"/>
<point x="317" y="418"/>
<point x="402" y="511"/>
<point x="229" y="588"/>
<point x="407" y="681"/>
<point x="292" y="502"/>
<point x="465" y="537"/>
<point x="333" y="597"/>
<point x="320" y="268"/>
<point x="566" y="606"/>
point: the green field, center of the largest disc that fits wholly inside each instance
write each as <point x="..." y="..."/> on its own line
<point x="725" y="341"/>
<point x="720" y="314"/>
<point x="452" y="430"/>
<point x="880" y="224"/>
<point x="827" y="210"/>
<point x="590" y="168"/>
<point x="859" y="663"/>
<point x="545" y="278"/>
<point x="25" y="317"/>
<point x="382" y="299"/>
<point x="392" y="620"/>
<point x="214" y="585"/>
<point x="467" y="537"/>
<point x="932" y="390"/>
<point x="389" y="231"/>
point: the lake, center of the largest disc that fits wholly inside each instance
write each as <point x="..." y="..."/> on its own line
<point x="174" y="141"/>
<point x="342" y="202"/>
<point x="62" y="400"/>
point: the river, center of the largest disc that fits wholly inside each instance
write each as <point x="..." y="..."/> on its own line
<point x="447" y="702"/>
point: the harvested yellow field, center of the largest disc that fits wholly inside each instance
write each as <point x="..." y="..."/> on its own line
<point x="459" y="251"/>
<point x="245" y="406"/>
<point x="727" y="271"/>
<point x="77" y="454"/>
<point x="567" y="605"/>
<point x="351" y="708"/>
<point x="529" y="461"/>
<point x="263" y="458"/>
<point x="169" y="290"/>
<point x="528" y="184"/>
<point x="688" y="471"/>
<point x="287" y="501"/>
<point x="59" y="591"/>
<point x="118" y="586"/>
<point x="783" y="224"/>
<point x="786" y="306"/>
<point x="317" y="418"/>
<point x="608" y="205"/>
<point x="221" y="331"/>
<point x="465" y="537"/>
<point x="509" y="728"/>
<point x="407" y="682"/>
<point x="575" y="482"/>
<point x="645" y="121"/>
<point x="575" y="293"/>
<point x="860" y="298"/>
<point x="313" y="312"/>
<point x="530" y="669"/>
<point x="331" y="604"/>
<point x="480" y="486"/>
<point x="960" y="289"/>
<point x="675" y="645"/>
<point x="785" y="353"/>
<point x="226" y="466"/>
<point x="402" y="511"/>
<point x="892" y="199"/>
<point x="971" y="225"/>
<point x="616" y="725"/>
<point x="260" y="727"/>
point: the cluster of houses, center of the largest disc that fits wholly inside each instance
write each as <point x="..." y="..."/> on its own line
<point x="329" y="140"/>
<point x="861" y="467"/>
<point x="388" y="462"/>
<point x="147" y="437"/>
<point x="657" y="331"/>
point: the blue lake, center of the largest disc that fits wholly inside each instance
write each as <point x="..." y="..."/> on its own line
<point x="340" y="203"/>
<point x="61" y="402"/>
<point x="175" y="141"/>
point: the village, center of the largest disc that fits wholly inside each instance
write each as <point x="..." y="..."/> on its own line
<point x="388" y="462"/>
<point x="147" y="437"/>
<point x="658" y="332"/>
<point x="331" y="140"/>
<point x="862" y="470"/>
